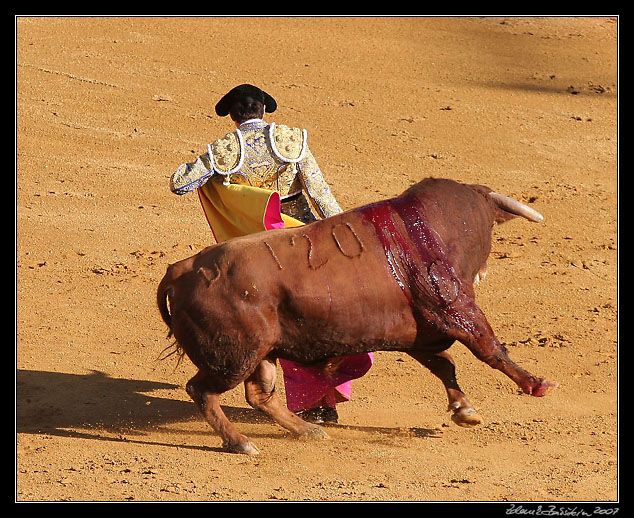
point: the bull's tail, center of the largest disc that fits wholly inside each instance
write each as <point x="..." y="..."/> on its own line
<point x="163" y="294"/>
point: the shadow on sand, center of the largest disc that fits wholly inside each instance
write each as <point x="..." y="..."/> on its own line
<point x="96" y="406"/>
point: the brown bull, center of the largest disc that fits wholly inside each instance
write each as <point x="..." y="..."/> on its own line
<point x="391" y="276"/>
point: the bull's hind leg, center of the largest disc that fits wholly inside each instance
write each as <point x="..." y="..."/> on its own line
<point x="471" y="327"/>
<point x="442" y="366"/>
<point x="209" y="404"/>
<point x="260" y="393"/>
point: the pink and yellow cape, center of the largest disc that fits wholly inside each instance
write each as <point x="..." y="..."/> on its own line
<point x="236" y="210"/>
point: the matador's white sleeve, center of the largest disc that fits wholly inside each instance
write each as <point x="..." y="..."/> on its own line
<point x="189" y="177"/>
<point x="224" y="156"/>
<point x="316" y="186"/>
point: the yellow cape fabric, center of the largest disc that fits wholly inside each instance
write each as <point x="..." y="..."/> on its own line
<point x="236" y="210"/>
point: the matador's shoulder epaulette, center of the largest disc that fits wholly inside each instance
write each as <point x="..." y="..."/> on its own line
<point x="288" y="143"/>
<point x="227" y="154"/>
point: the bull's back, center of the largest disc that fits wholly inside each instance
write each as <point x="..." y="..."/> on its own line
<point x="328" y="280"/>
<point x="343" y="263"/>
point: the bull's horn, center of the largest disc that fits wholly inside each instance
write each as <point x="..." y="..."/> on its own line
<point x="515" y="207"/>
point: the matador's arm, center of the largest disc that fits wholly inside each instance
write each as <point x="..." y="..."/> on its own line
<point x="189" y="177"/>
<point x="316" y="186"/>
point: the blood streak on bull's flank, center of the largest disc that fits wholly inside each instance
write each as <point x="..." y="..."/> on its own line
<point x="424" y="274"/>
<point x="406" y="265"/>
<point x="380" y="215"/>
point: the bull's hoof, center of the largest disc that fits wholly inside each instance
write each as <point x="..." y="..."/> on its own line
<point x="315" y="433"/>
<point x="544" y="388"/>
<point x="246" y="448"/>
<point x="465" y="416"/>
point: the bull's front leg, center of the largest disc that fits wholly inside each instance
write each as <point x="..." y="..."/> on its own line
<point x="209" y="405"/>
<point x="443" y="367"/>
<point x="471" y="327"/>
<point x="260" y="394"/>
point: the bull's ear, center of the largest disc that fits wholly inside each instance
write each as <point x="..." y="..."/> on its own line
<point x="501" y="215"/>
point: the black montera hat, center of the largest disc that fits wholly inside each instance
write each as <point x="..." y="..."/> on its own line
<point x="244" y="93"/>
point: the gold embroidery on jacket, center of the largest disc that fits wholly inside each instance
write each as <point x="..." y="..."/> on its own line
<point x="226" y="153"/>
<point x="274" y="157"/>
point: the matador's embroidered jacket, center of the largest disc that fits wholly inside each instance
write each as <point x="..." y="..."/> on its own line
<point x="274" y="157"/>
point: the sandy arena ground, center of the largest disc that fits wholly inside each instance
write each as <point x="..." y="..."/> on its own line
<point x="107" y="108"/>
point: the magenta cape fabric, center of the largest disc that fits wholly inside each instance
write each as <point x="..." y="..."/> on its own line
<point x="305" y="386"/>
<point x="273" y="213"/>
